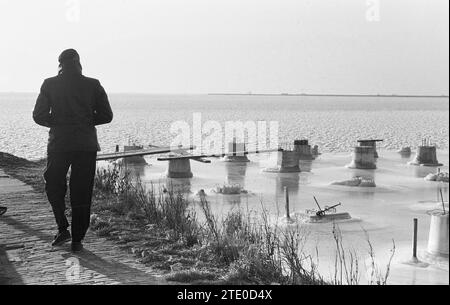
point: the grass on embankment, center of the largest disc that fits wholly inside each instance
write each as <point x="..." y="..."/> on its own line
<point x="29" y="172"/>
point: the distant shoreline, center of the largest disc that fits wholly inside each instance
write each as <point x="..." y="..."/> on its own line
<point x="263" y="94"/>
<point x="332" y="95"/>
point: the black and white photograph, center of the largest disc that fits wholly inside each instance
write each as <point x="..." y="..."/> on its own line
<point x="224" y="150"/>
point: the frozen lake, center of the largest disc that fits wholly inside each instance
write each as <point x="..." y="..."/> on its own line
<point x="333" y="123"/>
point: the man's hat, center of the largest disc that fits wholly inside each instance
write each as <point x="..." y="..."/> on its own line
<point x="69" y="55"/>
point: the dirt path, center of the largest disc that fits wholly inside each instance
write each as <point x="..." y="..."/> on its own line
<point x="26" y="256"/>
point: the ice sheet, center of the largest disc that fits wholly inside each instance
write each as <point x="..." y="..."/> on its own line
<point x="385" y="212"/>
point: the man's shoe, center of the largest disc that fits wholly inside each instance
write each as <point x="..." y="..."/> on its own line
<point x="77" y="246"/>
<point x="61" y="238"/>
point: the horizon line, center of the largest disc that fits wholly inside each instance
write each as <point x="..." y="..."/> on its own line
<point x="264" y="94"/>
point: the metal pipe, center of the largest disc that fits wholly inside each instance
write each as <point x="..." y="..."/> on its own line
<point x="415" y="239"/>
<point x="286" y="194"/>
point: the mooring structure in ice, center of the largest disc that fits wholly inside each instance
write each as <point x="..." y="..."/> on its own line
<point x="363" y="157"/>
<point x="405" y="151"/>
<point x="138" y="160"/>
<point x="303" y="150"/>
<point x="438" y="237"/>
<point x="426" y="155"/>
<point x="291" y="159"/>
<point x="287" y="162"/>
<point x="236" y="152"/>
<point x="370" y="143"/>
<point x="180" y="166"/>
<point x="439" y="234"/>
<point x="315" y="151"/>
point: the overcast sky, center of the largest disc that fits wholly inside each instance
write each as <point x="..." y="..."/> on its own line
<point x="201" y="46"/>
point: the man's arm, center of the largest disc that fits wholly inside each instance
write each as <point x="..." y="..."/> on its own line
<point x="102" y="112"/>
<point x="42" y="110"/>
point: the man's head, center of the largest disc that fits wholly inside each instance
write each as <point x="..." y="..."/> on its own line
<point x="69" y="60"/>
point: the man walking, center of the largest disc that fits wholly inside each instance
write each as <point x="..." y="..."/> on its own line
<point x="71" y="105"/>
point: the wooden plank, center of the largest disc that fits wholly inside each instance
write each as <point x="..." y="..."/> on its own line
<point x="376" y="140"/>
<point x="141" y="152"/>
<point x="215" y="155"/>
<point x="201" y="160"/>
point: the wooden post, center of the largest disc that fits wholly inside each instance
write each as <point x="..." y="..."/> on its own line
<point x="442" y="199"/>
<point x="117" y="148"/>
<point x="415" y="239"/>
<point x="286" y="194"/>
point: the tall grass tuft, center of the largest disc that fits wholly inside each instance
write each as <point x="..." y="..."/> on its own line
<point x="167" y="209"/>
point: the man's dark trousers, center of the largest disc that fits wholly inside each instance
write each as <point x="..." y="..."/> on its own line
<point x="82" y="165"/>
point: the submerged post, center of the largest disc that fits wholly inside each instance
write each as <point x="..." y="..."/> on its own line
<point x="415" y="240"/>
<point x="286" y="194"/>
